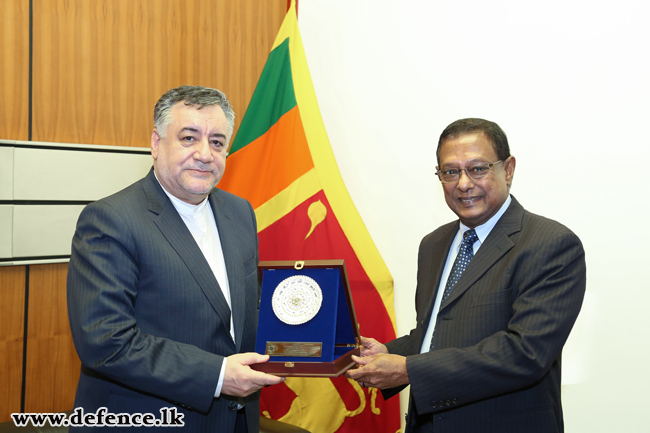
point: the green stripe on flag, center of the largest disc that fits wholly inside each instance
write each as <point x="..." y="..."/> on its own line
<point x="273" y="97"/>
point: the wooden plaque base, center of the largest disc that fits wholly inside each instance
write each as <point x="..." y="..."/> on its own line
<point x="309" y="369"/>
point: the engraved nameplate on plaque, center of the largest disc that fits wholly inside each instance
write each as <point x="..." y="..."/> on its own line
<point x="286" y="348"/>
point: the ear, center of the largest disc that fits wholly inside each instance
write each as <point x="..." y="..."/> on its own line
<point x="509" y="166"/>
<point x="155" y="142"/>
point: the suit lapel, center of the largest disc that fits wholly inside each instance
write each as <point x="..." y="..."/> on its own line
<point x="495" y="246"/>
<point x="228" y="230"/>
<point x="440" y="246"/>
<point x="177" y="234"/>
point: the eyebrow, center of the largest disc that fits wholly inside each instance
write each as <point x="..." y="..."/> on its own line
<point x="195" y="130"/>
<point x="469" y="161"/>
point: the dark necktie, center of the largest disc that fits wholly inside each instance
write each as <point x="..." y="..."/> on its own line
<point x="462" y="260"/>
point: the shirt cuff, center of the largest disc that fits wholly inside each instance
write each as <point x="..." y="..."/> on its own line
<point x="217" y="392"/>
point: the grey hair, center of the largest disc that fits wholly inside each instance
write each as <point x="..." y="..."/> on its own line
<point x="190" y="96"/>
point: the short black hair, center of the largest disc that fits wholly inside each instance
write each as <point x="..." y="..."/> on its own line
<point x="471" y="125"/>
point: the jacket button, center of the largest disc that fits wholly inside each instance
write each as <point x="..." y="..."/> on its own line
<point x="433" y="404"/>
<point x="454" y="401"/>
<point x="232" y="406"/>
<point x="441" y="403"/>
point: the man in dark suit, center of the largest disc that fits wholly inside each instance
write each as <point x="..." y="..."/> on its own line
<point x="498" y="293"/>
<point x="163" y="283"/>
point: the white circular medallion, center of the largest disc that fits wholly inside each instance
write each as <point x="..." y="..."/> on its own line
<point x="297" y="299"/>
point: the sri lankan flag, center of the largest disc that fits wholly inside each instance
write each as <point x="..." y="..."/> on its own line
<point x="282" y="162"/>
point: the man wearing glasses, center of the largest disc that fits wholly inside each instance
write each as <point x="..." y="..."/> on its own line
<point x="498" y="293"/>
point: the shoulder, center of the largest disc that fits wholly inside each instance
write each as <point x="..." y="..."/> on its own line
<point x="229" y="198"/>
<point x="444" y="233"/>
<point x="539" y="236"/>
<point x="231" y="203"/>
<point x="123" y="208"/>
<point x="131" y="197"/>
<point x="518" y="222"/>
<point x="533" y="225"/>
<point x="234" y="207"/>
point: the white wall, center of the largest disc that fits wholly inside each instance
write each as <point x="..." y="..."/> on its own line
<point x="45" y="186"/>
<point x="569" y="82"/>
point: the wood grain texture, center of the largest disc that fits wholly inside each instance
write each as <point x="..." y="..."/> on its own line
<point x="14" y="69"/>
<point x="100" y="66"/>
<point x="52" y="368"/>
<point x="12" y="313"/>
<point x="98" y="69"/>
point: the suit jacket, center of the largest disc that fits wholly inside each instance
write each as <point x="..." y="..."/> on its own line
<point x="148" y="318"/>
<point x="498" y="338"/>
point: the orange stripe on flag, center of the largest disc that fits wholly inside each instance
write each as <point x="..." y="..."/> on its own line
<point x="274" y="161"/>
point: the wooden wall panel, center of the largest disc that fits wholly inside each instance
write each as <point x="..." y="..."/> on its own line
<point x="52" y="367"/>
<point x="12" y="313"/>
<point x="100" y="66"/>
<point x="14" y="69"/>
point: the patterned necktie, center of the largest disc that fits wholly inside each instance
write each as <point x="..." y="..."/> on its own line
<point x="462" y="260"/>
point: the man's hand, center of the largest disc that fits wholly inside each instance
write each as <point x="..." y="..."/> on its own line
<point x="370" y="346"/>
<point x="240" y="380"/>
<point x="379" y="371"/>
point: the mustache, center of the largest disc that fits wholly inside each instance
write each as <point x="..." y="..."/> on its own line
<point x="202" y="167"/>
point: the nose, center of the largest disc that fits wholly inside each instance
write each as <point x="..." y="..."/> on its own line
<point x="464" y="181"/>
<point x="203" y="151"/>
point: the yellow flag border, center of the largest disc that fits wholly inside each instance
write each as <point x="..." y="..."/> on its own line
<point x="286" y="200"/>
<point x="326" y="171"/>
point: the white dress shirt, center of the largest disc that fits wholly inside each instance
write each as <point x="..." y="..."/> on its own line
<point x="482" y="233"/>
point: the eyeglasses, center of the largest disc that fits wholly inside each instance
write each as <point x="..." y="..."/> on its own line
<point x="474" y="171"/>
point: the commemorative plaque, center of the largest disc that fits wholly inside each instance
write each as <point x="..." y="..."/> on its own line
<point x="307" y="323"/>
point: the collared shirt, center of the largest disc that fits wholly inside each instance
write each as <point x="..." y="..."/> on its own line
<point x="201" y="223"/>
<point x="482" y="233"/>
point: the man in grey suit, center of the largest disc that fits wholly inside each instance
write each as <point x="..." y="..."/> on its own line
<point x="498" y="293"/>
<point x="163" y="284"/>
